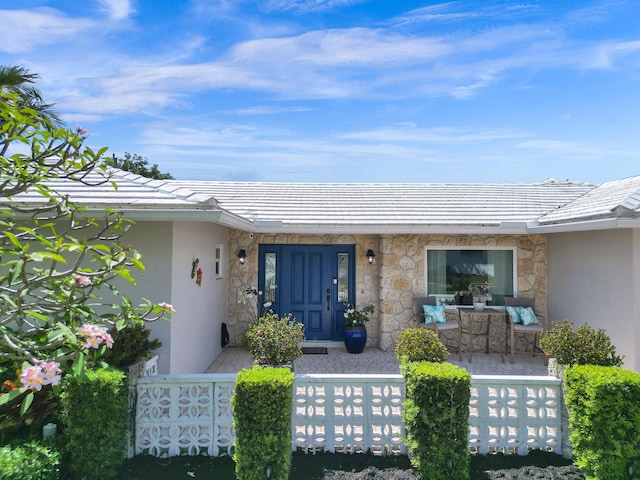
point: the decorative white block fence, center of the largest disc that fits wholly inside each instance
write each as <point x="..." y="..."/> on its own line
<point x="191" y="414"/>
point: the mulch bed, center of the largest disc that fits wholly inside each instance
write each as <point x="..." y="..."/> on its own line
<point x="536" y="466"/>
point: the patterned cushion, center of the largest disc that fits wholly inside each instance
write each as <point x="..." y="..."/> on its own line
<point x="527" y="316"/>
<point x="515" y="315"/>
<point x="434" y="312"/>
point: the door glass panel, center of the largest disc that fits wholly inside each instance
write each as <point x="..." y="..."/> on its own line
<point x="270" y="277"/>
<point x="343" y="277"/>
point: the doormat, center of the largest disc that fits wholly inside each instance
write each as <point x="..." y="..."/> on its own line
<point x="314" y="350"/>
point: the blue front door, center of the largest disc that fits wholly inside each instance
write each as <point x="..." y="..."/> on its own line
<point x="312" y="282"/>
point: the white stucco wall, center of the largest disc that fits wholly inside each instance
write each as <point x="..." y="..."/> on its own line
<point x="200" y="310"/>
<point x="153" y="240"/>
<point x="593" y="278"/>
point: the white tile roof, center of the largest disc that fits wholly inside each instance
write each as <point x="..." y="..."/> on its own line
<point x="133" y="192"/>
<point x="360" y="207"/>
<point x="618" y="198"/>
<point x="344" y="204"/>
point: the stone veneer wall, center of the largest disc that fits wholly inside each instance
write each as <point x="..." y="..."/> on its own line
<point x="396" y="276"/>
<point x="244" y="276"/>
<point x="402" y="274"/>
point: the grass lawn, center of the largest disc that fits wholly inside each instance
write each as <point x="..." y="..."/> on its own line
<point x="537" y="465"/>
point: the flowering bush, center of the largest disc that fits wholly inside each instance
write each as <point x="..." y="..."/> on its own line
<point x="354" y="317"/>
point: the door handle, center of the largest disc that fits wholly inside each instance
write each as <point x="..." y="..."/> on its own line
<point x="328" y="299"/>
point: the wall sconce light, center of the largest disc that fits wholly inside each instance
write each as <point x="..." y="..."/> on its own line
<point x="242" y="256"/>
<point x="370" y="256"/>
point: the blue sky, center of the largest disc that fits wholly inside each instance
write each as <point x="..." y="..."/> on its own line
<point x="344" y="90"/>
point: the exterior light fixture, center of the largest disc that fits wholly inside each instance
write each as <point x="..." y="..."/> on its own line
<point x="370" y="256"/>
<point x="242" y="256"/>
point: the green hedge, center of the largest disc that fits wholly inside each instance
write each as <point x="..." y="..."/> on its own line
<point x="29" y="461"/>
<point x="94" y="416"/>
<point x="604" y="419"/>
<point x="262" y="405"/>
<point x="436" y="417"/>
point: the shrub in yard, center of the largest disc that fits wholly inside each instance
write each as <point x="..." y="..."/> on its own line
<point x="584" y="346"/>
<point x="130" y="344"/>
<point x="94" y="414"/>
<point x="29" y="461"/>
<point x="420" y="344"/>
<point x="275" y="341"/>
<point x="604" y="418"/>
<point x="262" y="422"/>
<point x="436" y="417"/>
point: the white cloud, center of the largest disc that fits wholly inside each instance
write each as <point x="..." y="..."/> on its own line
<point x="24" y="30"/>
<point x="308" y="6"/>
<point x="117" y="9"/>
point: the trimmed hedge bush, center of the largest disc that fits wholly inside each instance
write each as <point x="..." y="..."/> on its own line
<point x="436" y="417"/>
<point x="420" y="344"/>
<point x="29" y="461"/>
<point x="94" y="416"/>
<point x="262" y="405"/>
<point x="604" y="418"/>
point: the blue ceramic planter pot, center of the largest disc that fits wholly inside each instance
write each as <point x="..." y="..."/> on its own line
<point x="355" y="338"/>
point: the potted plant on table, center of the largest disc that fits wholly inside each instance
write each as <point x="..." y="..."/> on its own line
<point x="355" y="332"/>
<point x="481" y="291"/>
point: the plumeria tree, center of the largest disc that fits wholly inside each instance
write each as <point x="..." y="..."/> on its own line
<point x="58" y="265"/>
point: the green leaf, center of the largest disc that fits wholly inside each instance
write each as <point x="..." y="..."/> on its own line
<point x="34" y="314"/>
<point x="126" y="274"/>
<point x="53" y="256"/>
<point x="15" y="271"/>
<point x="26" y="403"/>
<point x="11" y="396"/>
<point x="79" y="365"/>
<point x="13" y="239"/>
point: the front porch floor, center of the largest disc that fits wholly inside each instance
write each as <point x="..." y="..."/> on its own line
<point x="372" y="360"/>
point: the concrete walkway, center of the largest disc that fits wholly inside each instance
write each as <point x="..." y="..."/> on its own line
<point x="372" y="360"/>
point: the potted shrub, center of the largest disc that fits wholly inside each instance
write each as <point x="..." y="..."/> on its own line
<point x="274" y="340"/>
<point x="355" y="332"/>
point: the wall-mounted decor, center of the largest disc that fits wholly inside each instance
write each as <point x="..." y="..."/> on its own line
<point x="199" y="277"/>
<point x="194" y="267"/>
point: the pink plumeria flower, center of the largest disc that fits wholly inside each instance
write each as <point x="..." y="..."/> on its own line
<point x="95" y="336"/>
<point x="37" y="376"/>
<point x="82" y="280"/>
<point x="31" y="377"/>
<point x="51" y="372"/>
<point x="80" y="130"/>
<point x="168" y="306"/>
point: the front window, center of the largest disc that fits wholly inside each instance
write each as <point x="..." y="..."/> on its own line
<point x="456" y="276"/>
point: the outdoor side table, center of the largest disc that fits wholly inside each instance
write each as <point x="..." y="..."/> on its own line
<point x="479" y="325"/>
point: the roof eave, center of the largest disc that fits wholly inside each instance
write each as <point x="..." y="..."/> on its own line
<point x="373" y="229"/>
<point x="585" y="225"/>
